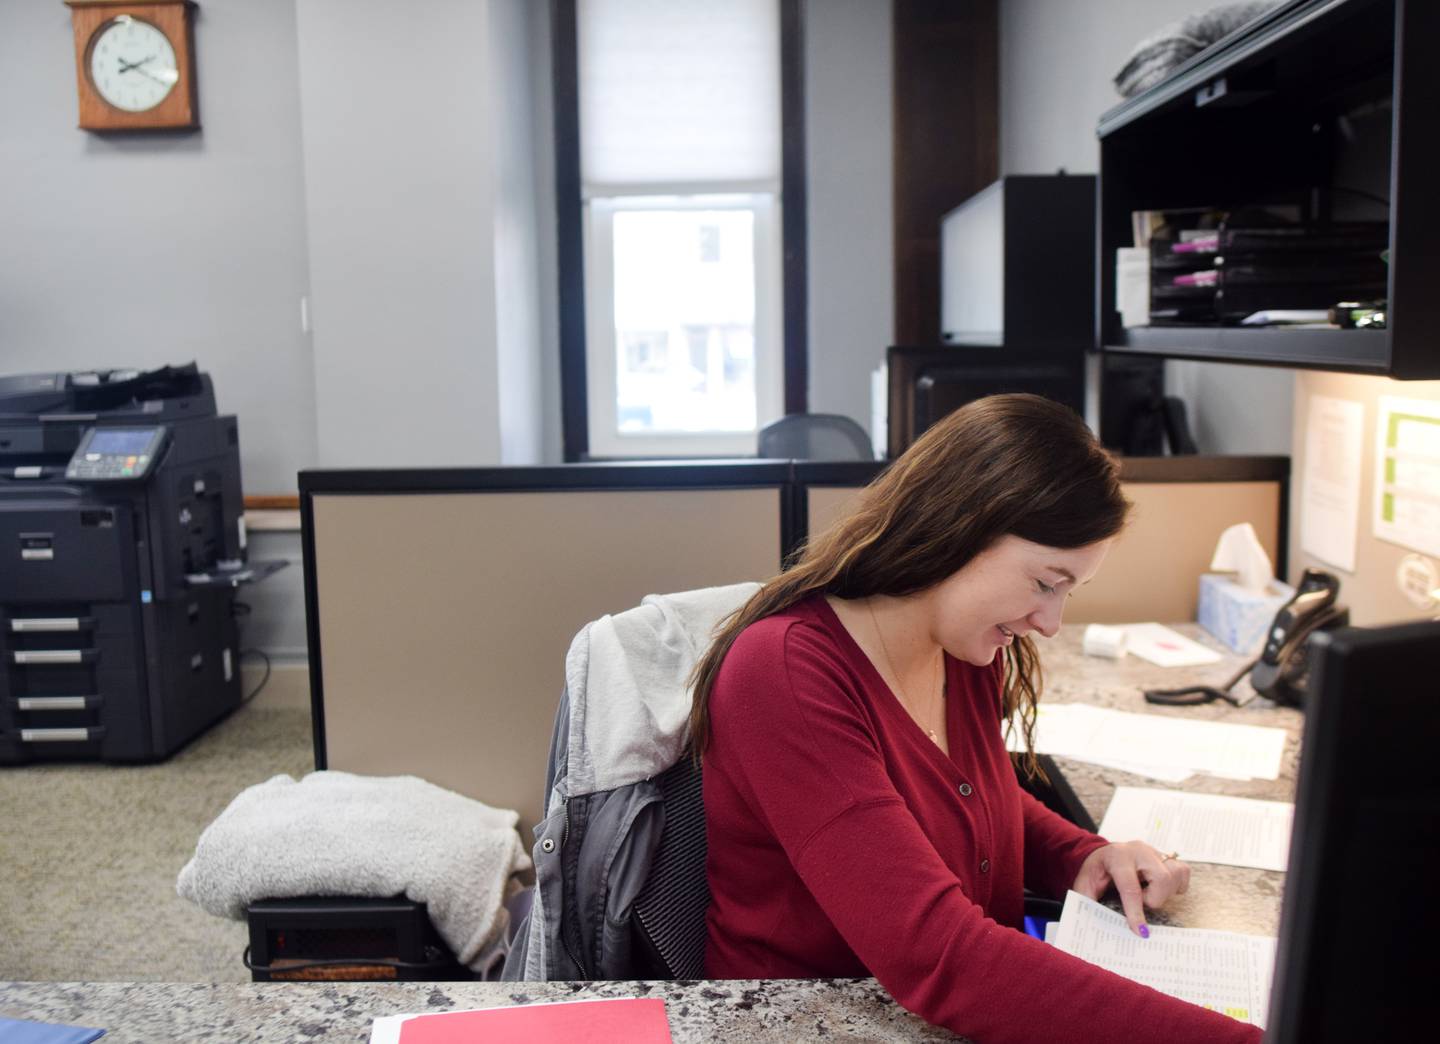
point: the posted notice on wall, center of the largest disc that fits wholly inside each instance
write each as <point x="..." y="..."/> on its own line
<point x="1330" y="513"/>
<point x="1407" y="474"/>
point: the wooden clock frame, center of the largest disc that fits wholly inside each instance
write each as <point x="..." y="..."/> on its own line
<point x="175" y="18"/>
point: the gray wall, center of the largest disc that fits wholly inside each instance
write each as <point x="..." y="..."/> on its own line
<point x="1057" y="59"/>
<point x="140" y="250"/>
<point x="525" y="276"/>
<point x="413" y="154"/>
<point x="414" y="213"/>
<point x="409" y="209"/>
<point x="851" y="216"/>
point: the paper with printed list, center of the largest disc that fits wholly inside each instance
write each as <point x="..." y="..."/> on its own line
<point x="1223" y="971"/>
<point x="1407" y="474"/>
<point x="1330" y="487"/>
<point x="1203" y="828"/>
<point x="1154" y="745"/>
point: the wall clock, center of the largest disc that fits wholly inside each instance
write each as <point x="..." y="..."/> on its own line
<point x="135" y="64"/>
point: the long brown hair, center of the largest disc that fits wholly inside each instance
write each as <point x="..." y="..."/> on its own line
<point x="1006" y="464"/>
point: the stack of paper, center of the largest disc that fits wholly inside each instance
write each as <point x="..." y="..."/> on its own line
<point x="1223" y="971"/>
<point x="1203" y="828"/>
<point x="1165" y="748"/>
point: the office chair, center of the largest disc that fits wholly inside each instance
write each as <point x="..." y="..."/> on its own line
<point x="620" y="855"/>
<point x="669" y="925"/>
<point x="815" y="436"/>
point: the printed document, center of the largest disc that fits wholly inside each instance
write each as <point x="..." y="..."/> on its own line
<point x="1407" y="474"/>
<point x="1171" y="745"/>
<point x="1223" y="971"/>
<point x="1330" y="487"/>
<point x="1203" y="828"/>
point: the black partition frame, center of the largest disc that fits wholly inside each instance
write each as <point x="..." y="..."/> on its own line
<point x="791" y="479"/>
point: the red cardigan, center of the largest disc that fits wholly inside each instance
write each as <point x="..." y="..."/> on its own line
<point x="844" y="843"/>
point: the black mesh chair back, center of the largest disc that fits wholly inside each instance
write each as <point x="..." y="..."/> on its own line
<point x="670" y="909"/>
<point x="815" y="436"/>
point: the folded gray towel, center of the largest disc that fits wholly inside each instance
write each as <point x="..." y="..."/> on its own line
<point x="1156" y="56"/>
<point x="335" y="833"/>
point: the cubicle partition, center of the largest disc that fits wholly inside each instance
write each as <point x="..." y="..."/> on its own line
<point x="440" y="603"/>
<point x="1181" y="506"/>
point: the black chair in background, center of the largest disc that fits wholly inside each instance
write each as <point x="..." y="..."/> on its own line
<point x="815" y="436"/>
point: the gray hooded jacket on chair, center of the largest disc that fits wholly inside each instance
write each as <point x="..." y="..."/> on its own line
<point x="621" y="723"/>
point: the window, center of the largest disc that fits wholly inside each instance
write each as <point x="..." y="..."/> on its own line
<point x="678" y="174"/>
<point x="683" y="331"/>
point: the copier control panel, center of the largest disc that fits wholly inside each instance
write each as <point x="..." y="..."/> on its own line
<point x="116" y="453"/>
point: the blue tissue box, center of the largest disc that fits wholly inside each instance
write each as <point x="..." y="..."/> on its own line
<point x="1237" y="617"/>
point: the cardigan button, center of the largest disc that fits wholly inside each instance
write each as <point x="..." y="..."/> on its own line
<point x="548" y="845"/>
<point x="966" y="790"/>
<point x="984" y="866"/>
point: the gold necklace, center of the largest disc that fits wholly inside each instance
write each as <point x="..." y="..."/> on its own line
<point x="885" y="649"/>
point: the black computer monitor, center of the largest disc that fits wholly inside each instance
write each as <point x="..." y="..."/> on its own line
<point x="1359" y="951"/>
<point x="928" y="383"/>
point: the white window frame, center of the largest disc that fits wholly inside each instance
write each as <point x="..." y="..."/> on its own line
<point x="600" y="205"/>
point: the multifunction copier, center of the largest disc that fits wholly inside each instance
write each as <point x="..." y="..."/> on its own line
<point x="122" y="541"/>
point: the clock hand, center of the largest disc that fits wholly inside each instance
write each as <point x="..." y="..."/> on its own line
<point x="164" y="81"/>
<point x="127" y="66"/>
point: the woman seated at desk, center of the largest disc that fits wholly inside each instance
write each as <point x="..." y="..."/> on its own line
<point x="862" y="812"/>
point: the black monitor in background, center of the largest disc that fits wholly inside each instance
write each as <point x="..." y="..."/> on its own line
<point x="926" y="383"/>
<point x="1359" y="951"/>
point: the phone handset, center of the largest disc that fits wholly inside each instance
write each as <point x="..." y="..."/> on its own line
<point x="1281" y="670"/>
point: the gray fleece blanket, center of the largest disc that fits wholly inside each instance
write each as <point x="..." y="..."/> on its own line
<point x="335" y="833"/>
<point x="1157" y="55"/>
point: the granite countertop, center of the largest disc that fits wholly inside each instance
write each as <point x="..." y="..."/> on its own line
<point x="1229" y="898"/>
<point x="737" y="1011"/>
<point x="1222" y="897"/>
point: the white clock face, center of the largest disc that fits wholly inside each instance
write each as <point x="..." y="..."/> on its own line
<point x="132" y="64"/>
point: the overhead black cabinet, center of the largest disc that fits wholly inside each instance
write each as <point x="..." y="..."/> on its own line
<point x="1328" y="107"/>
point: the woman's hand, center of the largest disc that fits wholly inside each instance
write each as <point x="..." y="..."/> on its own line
<point x="1142" y="876"/>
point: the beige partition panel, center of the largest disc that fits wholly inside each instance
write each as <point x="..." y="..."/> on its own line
<point x="1152" y="572"/>
<point x="445" y="618"/>
<point x="825" y="504"/>
<point x="1373" y="591"/>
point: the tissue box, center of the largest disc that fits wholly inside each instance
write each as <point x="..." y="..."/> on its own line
<point x="1237" y="617"/>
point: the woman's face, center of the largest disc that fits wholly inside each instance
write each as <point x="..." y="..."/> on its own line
<point x="1007" y="591"/>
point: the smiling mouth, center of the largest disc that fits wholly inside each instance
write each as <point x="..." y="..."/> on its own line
<point x="1008" y="634"/>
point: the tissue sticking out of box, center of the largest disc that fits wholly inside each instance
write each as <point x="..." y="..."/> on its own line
<point x="1238" y="551"/>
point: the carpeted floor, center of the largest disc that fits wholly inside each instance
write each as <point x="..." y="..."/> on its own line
<point x="89" y="855"/>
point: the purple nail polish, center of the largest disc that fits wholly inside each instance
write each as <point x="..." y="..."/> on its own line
<point x="1144" y="931"/>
